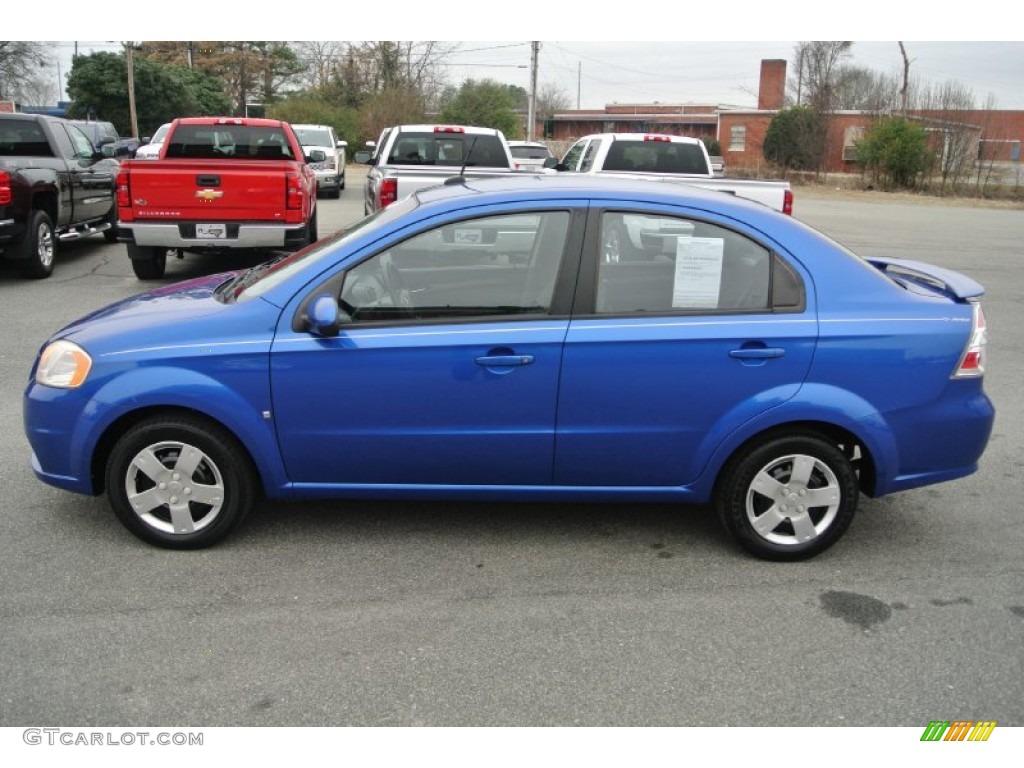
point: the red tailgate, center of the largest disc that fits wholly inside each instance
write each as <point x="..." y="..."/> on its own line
<point x="207" y="190"/>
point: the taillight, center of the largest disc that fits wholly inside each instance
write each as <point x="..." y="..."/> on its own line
<point x="388" y="192"/>
<point x="972" y="361"/>
<point x="124" y="196"/>
<point x="293" y="187"/>
<point x="787" y="202"/>
<point x="5" y="188"/>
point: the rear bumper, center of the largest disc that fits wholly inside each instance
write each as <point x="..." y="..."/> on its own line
<point x="240" y="235"/>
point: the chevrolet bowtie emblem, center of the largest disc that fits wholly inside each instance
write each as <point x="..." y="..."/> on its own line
<point x="209" y="194"/>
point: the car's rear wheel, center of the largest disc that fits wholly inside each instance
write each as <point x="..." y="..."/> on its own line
<point x="148" y="262"/>
<point x="38" y="249"/>
<point x="788" y="498"/>
<point x="180" y="482"/>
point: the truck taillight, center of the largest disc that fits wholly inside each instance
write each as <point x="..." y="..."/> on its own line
<point x="972" y="361"/>
<point x="5" y="188"/>
<point x="388" y="192"/>
<point x="124" y="195"/>
<point x="293" y="189"/>
<point x="787" y="202"/>
<point x="448" y="129"/>
<point x="655" y="137"/>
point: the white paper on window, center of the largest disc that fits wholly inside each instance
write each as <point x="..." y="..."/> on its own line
<point x="698" y="276"/>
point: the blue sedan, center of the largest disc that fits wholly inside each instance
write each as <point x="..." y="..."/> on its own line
<point x="537" y="338"/>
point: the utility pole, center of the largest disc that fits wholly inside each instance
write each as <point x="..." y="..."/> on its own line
<point x="130" y="62"/>
<point x="531" y="112"/>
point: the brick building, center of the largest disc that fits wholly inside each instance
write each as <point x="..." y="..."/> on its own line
<point x="994" y="135"/>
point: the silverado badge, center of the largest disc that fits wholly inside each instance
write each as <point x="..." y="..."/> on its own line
<point x="209" y="194"/>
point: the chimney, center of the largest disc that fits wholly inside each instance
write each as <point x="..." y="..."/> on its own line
<point x="772" y="90"/>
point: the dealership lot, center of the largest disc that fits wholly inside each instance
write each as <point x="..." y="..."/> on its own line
<point x="540" y="614"/>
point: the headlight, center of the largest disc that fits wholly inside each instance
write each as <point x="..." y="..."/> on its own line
<point x="63" y="364"/>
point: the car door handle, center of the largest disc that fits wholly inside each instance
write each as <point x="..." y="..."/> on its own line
<point x="757" y="353"/>
<point x="503" y="361"/>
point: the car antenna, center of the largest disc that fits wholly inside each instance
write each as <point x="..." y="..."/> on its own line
<point x="461" y="178"/>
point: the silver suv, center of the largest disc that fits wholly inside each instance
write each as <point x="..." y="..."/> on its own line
<point x="330" y="174"/>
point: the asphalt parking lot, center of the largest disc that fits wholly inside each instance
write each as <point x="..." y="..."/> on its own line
<point x="388" y="614"/>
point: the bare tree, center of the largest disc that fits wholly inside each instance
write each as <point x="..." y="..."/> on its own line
<point x="817" y="69"/>
<point x="552" y="98"/>
<point x="864" y="89"/>
<point x="321" y="60"/>
<point x="20" y="65"/>
<point x="947" y="110"/>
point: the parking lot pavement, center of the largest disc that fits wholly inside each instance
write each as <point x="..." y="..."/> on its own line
<point x="536" y="614"/>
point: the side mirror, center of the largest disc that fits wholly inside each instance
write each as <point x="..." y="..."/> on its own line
<point x="561" y="167"/>
<point x="145" y="140"/>
<point x="341" y="144"/>
<point x="550" y="162"/>
<point x="324" y="316"/>
<point x="316" y="156"/>
<point x="107" y="150"/>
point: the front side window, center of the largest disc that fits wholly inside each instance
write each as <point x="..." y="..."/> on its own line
<point x="659" y="264"/>
<point x="496" y="266"/>
<point x="83" y="146"/>
<point x="572" y="157"/>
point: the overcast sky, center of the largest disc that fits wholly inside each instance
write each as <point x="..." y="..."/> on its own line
<point x="599" y="64"/>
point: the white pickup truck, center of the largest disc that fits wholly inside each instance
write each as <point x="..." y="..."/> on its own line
<point x="408" y="158"/>
<point x="670" y="158"/>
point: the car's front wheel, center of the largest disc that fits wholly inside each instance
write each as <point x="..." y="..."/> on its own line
<point x="180" y="482"/>
<point x="788" y="498"/>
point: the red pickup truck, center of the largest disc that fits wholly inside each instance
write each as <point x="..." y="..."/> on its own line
<point x="220" y="185"/>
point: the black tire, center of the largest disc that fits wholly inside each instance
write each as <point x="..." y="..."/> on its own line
<point x="37" y="251"/>
<point x="148" y="262"/>
<point x="341" y="184"/>
<point x="311" y="233"/>
<point x="335" y="193"/>
<point x="143" y="486"/>
<point x="766" y="494"/>
<point x="110" y="235"/>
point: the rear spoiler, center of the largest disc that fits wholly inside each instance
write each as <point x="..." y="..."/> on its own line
<point x="953" y="284"/>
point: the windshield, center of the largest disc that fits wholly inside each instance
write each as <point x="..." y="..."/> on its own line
<point x="160" y="133"/>
<point x="313" y="137"/>
<point x="270" y="274"/>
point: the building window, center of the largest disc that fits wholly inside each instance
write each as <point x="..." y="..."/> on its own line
<point x="851" y="136"/>
<point x="737" y="138"/>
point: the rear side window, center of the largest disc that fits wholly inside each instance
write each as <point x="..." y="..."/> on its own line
<point x="660" y="264"/>
<point x="656" y="157"/>
<point x="23" y="138"/>
<point x="444" y="148"/>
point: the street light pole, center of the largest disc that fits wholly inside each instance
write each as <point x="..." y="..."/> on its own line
<point x="531" y="118"/>
<point x="129" y="60"/>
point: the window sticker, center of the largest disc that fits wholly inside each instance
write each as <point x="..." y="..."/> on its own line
<point x="698" y="274"/>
